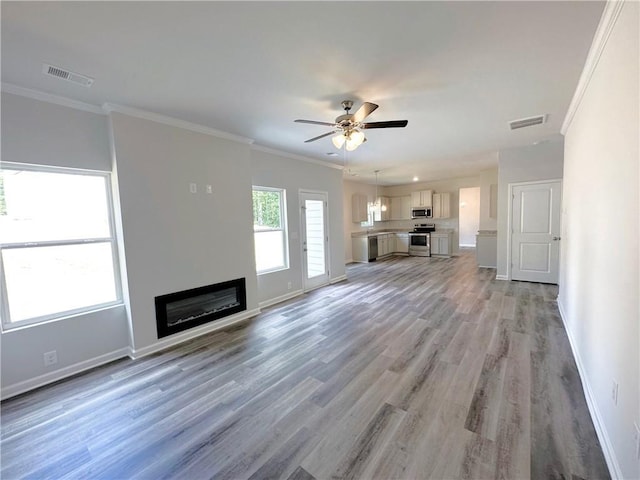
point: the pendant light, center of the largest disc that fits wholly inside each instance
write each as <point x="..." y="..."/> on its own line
<point x="378" y="204"/>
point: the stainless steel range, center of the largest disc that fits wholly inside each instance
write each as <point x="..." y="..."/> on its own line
<point x="420" y="239"/>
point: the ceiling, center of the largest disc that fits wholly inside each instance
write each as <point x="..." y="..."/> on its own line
<point x="457" y="71"/>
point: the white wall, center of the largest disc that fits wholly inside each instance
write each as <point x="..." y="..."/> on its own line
<point x="469" y="213"/>
<point x="487" y="179"/>
<point x="41" y="133"/>
<point x="175" y="240"/>
<point x="522" y="164"/>
<point x="273" y="169"/>
<point x="599" y="270"/>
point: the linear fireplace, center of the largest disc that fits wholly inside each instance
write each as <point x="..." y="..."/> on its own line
<point x="180" y="311"/>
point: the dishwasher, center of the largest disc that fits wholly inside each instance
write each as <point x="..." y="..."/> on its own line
<point x="373" y="248"/>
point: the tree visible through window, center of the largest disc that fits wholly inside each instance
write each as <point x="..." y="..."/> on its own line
<point x="269" y="226"/>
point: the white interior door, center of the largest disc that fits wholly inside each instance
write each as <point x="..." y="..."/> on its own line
<point x="315" y="240"/>
<point x="535" y="232"/>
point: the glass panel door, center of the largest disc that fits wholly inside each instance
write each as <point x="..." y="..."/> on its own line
<point x="314" y="239"/>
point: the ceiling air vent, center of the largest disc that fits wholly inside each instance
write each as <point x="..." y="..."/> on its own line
<point x="67" y="75"/>
<point x="527" y="122"/>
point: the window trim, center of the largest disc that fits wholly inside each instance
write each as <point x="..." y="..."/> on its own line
<point x="6" y="324"/>
<point x="283" y="228"/>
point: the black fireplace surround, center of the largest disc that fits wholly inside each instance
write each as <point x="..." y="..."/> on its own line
<point x="180" y="311"/>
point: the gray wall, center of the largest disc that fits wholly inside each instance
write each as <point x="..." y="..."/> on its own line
<point x="600" y="262"/>
<point x="523" y="164"/>
<point x="42" y="133"/>
<point x="270" y="169"/>
<point x="173" y="239"/>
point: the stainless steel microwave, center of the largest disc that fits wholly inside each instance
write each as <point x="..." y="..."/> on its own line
<point x="422" y="212"/>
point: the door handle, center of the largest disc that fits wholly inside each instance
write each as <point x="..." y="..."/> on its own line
<point x="555" y="239"/>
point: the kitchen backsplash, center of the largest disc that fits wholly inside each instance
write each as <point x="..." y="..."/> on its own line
<point x="409" y="224"/>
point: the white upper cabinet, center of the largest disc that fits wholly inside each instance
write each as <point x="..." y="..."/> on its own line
<point x="441" y="205"/>
<point x="401" y="208"/>
<point x="359" y="211"/>
<point x="421" y="199"/>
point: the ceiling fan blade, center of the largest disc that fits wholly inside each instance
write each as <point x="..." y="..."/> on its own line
<point x="320" y="136"/>
<point x="313" y="122"/>
<point x="364" y="111"/>
<point x="389" y="124"/>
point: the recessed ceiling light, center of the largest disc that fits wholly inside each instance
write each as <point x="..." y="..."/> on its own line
<point x="332" y="154"/>
<point x="415" y="179"/>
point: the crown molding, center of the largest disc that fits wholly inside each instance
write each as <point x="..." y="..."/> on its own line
<point x="174" y="122"/>
<point x="51" y="98"/>
<point x="293" y="156"/>
<point x="603" y="32"/>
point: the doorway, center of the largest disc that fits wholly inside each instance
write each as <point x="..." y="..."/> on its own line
<point x="469" y="215"/>
<point x="535" y="231"/>
<point x="315" y="239"/>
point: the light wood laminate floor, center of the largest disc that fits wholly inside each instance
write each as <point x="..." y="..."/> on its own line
<point x="413" y="368"/>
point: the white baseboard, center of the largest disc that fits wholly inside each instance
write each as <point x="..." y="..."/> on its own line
<point x="596" y="417"/>
<point x="502" y="277"/>
<point x="193" y="333"/>
<point x="47" y="378"/>
<point x="280" y="299"/>
<point x="339" y="279"/>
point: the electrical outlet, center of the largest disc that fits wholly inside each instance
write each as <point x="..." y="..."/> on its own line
<point x="193" y="188"/>
<point x="289" y="285"/>
<point x="614" y="392"/>
<point x="637" y="439"/>
<point x="50" y="358"/>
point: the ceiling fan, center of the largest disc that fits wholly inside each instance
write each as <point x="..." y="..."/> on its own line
<point x="349" y="126"/>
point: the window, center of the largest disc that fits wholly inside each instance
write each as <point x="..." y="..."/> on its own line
<point x="270" y="229"/>
<point x="370" y="212"/>
<point x="57" y="249"/>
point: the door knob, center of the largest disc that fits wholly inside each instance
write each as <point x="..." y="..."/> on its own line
<point x="555" y="239"/>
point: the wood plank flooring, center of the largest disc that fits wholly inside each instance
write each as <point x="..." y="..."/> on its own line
<point x="413" y="368"/>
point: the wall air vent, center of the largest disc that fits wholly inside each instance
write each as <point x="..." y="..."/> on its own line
<point x="527" y="122"/>
<point x="67" y="75"/>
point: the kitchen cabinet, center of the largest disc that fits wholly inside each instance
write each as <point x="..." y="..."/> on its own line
<point x="421" y="199"/>
<point x="382" y="210"/>
<point x="401" y="208"/>
<point x="391" y="243"/>
<point x="360" y="249"/>
<point x="386" y="244"/>
<point x="359" y="208"/>
<point x="383" y="248"/>
<point x="402" y="243"/>
<point x="441" y="205"/>
<point x="441" y="244"/>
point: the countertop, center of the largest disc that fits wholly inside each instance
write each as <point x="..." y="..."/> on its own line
<point x="374" y="233"/>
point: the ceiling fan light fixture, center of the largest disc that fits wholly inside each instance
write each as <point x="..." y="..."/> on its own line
<point x="355" y="138"/>
<point x="338" y="140"/>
